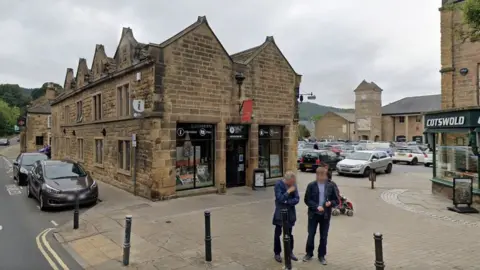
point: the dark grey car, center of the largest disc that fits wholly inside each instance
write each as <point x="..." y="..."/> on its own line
<point x="56" y="183"/>
<point x="23" y="164"/>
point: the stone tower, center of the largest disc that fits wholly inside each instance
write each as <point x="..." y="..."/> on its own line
<point x="368" y="111"/>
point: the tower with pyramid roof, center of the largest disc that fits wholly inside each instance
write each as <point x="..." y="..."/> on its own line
<point x="368" y="111"/>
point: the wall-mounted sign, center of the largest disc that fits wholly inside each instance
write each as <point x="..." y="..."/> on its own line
<point x="21" y="121"/>
<point x="237" y="132"/>
<point x="195" y="131"/>
<point x="138" y="107"/>
<point x="453" y="119"/>
<point x="463" y="71"/>
<point x="270" y="132"/>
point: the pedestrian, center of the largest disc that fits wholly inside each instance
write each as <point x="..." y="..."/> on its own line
<point x="320" y="197"/>
<point x="286" y="197"/>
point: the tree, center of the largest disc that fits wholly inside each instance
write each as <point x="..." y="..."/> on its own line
<point x="303" y="131"/>
<point x="8" y="117"/>
<point x="13" y="95"/>
<point x="469" y="29"/>
<point x="317" y="117"/>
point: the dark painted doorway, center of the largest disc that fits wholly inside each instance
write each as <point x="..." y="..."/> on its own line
<point x="236" y="158"/>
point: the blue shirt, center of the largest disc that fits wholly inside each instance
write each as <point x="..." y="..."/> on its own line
<point x="321" y="192"/>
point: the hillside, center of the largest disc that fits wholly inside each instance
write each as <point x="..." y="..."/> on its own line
<point x="308" y="110"/>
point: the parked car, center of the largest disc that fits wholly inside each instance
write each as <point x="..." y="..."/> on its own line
<point x="56" y="183"/>
<point x="23" y="164"/>
<point x="362" y="162"/>
<point x="428" y="159"/>
<point x="4" y="141"/>
<point x="311" y="159"/>
<point x="410" y="155"/>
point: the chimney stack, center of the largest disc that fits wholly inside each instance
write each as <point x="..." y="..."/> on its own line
<point x="50" y="92"/>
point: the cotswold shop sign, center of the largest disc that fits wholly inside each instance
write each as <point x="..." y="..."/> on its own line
<point x="446" y="121"/>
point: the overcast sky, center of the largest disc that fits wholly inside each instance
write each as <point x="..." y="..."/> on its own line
<point x="333" y="44"/>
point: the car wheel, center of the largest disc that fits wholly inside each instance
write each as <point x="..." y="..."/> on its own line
<point x="366" y="172"/>
<point x="394" y="162"/>
<point x="303" y="170"/>
<point x="340" y="174"/>
<point x="426" y="164"/>
<point x="414" y="161"/>
<point x="29" y="192"/>
<point x="389" y="168"/>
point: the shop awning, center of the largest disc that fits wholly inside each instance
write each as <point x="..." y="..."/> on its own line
<point x="448" y="130"/>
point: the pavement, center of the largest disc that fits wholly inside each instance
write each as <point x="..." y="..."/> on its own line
<point x="26" y="232"/>
<point x="418" y="231"/>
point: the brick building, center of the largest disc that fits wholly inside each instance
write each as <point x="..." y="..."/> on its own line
<point x="401" y="120"/>
<point x="37" y="132"/>
<point x="182" y="100"/>
<point x="453" y="131"/>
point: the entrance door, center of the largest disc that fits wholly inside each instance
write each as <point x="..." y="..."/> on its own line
<point x="236" y="163"/>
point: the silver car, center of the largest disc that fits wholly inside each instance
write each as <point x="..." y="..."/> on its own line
<point x="362" y="162"/>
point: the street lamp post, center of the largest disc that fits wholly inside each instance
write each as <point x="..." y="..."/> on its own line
<point x="310" y="96"/>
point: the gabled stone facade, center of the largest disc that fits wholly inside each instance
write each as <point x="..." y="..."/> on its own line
<point x="368" y="111"/>
<point x="187" y="79"/>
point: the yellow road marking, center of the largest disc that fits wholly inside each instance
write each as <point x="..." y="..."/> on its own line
<point x="50" y="249"/>
<point x="42" y="250"/>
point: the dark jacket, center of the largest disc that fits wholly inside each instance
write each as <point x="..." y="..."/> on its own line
<point x="283" y="200"/>
<point x="311" y="198"/>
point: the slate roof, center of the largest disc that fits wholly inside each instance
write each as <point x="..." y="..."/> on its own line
<point x="411" y="105"/>
<point x="350" y="117"/>
<point x="364" y="85"/>
<point x="41" y="106"/>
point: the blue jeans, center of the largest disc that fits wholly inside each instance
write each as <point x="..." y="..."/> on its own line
<point x="277" y="246"/>
<point x="313" y="222"/>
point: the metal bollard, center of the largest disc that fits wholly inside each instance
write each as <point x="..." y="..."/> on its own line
<point x="379" y="264"/>
<point x="126" y="242"/>
<point x="372" y="177"/>
<point x="208" y="238"/>
<point x="76" y="211"/>
<point x="286" y="240"/>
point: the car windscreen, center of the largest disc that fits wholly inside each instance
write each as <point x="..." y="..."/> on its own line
<point x="63" y="170"/>
<point x="308" y="146"/>
<point x="309" y="154"/>
<point x="28" y="160"/>
<point x="359" y="156"/>
<point x="3" y="140"/>
<point x="404" y="150"/>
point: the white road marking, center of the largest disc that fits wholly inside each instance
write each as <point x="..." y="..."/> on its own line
<point x="13" y="190"/>
<point x="38" y="206"/>
<point x="54" y="223"/>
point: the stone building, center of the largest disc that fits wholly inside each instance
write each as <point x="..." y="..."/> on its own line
<point x="37" y="132"/>
<point x="333" y="125"/>
<point x="401" y="120"/>
<point x="165" y="119"/>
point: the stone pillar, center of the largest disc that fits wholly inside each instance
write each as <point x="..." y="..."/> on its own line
<point x="252" y="153"/>
<point x="220" y="157"/>
<point x="406" y="128"/>
<point x="163" y="139"/>
<point x="290" y="147"/>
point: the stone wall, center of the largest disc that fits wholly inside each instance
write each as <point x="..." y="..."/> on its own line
<point x="369" y="107"/>
<point x="331" y="126"/>
<point x="37" y="125"/>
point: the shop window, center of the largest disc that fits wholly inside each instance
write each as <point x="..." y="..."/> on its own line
<point x="270" y="154"/>
<point x="195" y="160"/>
<point x="401" y="119"/>
<point x="39" y="140"/>
<point x="454" y="159"/>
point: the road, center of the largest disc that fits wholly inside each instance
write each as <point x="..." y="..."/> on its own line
<point x="25" y="232"/>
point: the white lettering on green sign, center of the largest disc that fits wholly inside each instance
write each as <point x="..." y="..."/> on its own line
<point x="446" y="121"/>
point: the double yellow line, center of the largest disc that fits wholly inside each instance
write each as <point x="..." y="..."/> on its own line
<point x="53" y="257"/>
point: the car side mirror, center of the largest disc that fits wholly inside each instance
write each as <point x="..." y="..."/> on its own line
<point x="15" y="163"/>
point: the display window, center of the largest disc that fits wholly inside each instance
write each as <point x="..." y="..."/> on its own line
<point x="270" y="150"/>
<point x="195" y="161"/>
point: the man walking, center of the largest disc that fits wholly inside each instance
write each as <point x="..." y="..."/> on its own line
<point x="320" y="197"/>
<point x="286" y="197"/>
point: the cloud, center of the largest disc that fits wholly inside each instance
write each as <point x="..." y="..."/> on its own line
<point x="333" y="44"/>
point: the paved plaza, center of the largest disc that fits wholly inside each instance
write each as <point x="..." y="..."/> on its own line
<point x="419" y="233"/>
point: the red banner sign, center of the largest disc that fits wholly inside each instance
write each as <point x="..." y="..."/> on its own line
<point x="247" y="110"/>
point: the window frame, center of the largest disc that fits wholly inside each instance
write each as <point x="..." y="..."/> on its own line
<point x="268" y="141"/>
<point x="97" y="108"/>
<point x="401" y="119"/>
<point x="49" y="121"/>
<point x="122" y="160"/>
<point x="95" y="154"/>
<point x="418" y="118"/>
<point x="80" y="148"/>
<point x="36" y="140"/>
<point x="68" y="146"/>
<point x="67" y="114"/>
<point x="123" y="100"/>
<point x="79" y="111"/>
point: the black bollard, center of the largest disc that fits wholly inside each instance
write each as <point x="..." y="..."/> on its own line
<point x="76" y="211"/>
<point x="208" y="238"/>
<point x="286" y="240"/>
<point x="126" y="242"/>
<point x="379" y="264"/>
<point x="372" y="177"/>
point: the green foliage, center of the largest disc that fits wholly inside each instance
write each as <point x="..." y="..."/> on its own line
<point x="8" y="118"/>
<point x="303" y="132"/>
<point x="316" y="117"/>
<point x="14" y="95"/>
<point x="307" y="110"/>
<point x="471" y="17"/>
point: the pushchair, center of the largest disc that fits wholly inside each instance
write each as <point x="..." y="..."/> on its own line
<point x="345" y="207"/>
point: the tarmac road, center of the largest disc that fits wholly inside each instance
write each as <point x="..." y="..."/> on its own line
<point x="26" y="232"/>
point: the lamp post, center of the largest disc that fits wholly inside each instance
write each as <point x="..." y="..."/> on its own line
<point x="310" y="96"/>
